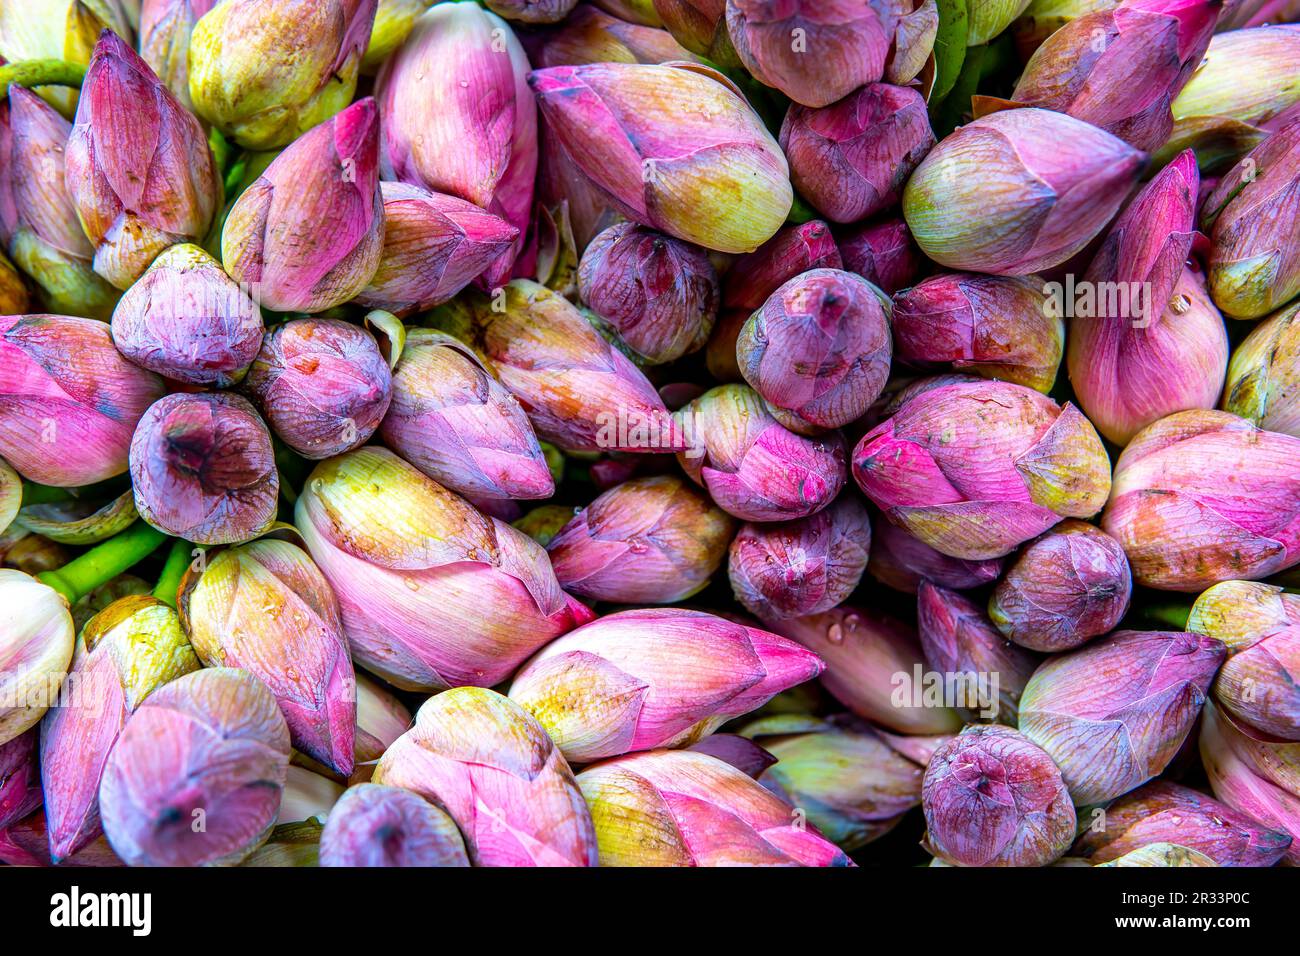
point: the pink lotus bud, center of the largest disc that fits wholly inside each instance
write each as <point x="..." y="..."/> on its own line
<point x="960" y="642"/>
<point x="561" y="183"/>
<point x="202" y="468"/>
<point x="323" y="385"/>
<point x="660" y="294"/>
<point x="1113" y="714"/>
<point x="1018" y="191"/>
<point x="210" y="795"/>
<point x="532" y="11"/>
<point x="873" y="667"/>
<point x="801" y="567"/>
<point x="126" y="652"/>
<point x="20" y="778"/>
<point x="455" y="422"/>
<point x="26" y="843"/>
<point x="139" y="169"/>
<point x="663" y="677"/>
<point x="374" y="825"/>
<point x="591" y="36"/>
<point x="265" y="607"/>
<point x="35" y="649"/>
<point x="381" y="719"/>
<point x="1120" y="68"/>
<point x="1185" y="526"/>
<point x="851" y="159"/>
<point x="432" y="593"/>
<point x="992" y="798"/>
<point x="186" y="320"/>
<point x="974" y="469"/>
<point x="675" y="147"/>
<point x="71" y="402"/>
<point x="883" y="253"/>
<point x="1263" y="383"/>
<point x="754" y="468"/>
<point x="1259" y="684"/>
<point x="901" y="562"/>
<point x="1065" y="588"/>
<point x="650" y="540"/>
<point x="165" y="29"/>
<point x="818" y="350"/>
<point x="490" y="766"/>
<point x="434" y="246"/>
<point x="679" y="808"/>
<point x="308" y="234"/>
<point x="994" y="326"/>
<point x="745" y="755"/>
<point x="813" y="51"/>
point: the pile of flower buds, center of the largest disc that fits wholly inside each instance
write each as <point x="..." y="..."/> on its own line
<point x="650" y="432"/>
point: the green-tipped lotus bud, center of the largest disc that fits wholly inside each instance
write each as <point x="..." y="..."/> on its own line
<point x="1263" y="384"/>
<point x="374" y="825"/>
<point x="35" y="651"/>
<point x="394" y="21"/>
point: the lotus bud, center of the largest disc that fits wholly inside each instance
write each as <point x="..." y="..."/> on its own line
<point x="1263" y="383"/>
<point x="26" y="843"/>
<point x="532" y="11"/>
<point x="987" y="20"/>
<point x="901" y="562"/>
<point x="675" y="147"/>
<point x="974" y="469"/>
<point x="266" y="71"/>
<point x="752" y="467"/>
<point x="165" y="30"/>
<point x="60" y="30"/>
<point x="374" y="825"/>
<point x="873" y="667"/>
<point x="1042" y="18"/>
<point x="995" y="326"/>
<point x="20" y="778"/>
<point x="14" y="298"/>
<point x="1059" y="182"/>
<point x="31" y="553"/>
<point x="71" y="400"/>
<point x="700" y="26"/>
<point x="851" y="159"/>
<point x="290" y="844"/>
<point x="680" y="808"/>
<point x="434" y="246"/>
<point x="126" y="652"/>
<point x="308" y="234"/>
<point x="307" y="796"/>
<point x="561" y="184"/>
<point x="961" y="643"/>
<point x="210" y="796"/>
<point x="653" y="540"/>
<point x="993" y="798"/>
<point x="1114" y="713"/>
<point x="633" y="11"/>
<point x="432" y="593"/>
<point x="745" y="755"/>
<point x="544" y="522"/>
<point x="202" y="468"/>
<point x="801" y="567"/>
<point x="186" y="320"/>
<point x="660" y="294"/>
<point x="818" y="350"/>
<point x="138" y="166"/>
<point x="381" y="719"/>
<point x="1065" y="588"/>
<point x="323" y="385"/>
<point x="591" y="36"/>
<point x="489" y="765"/>
<point x="1185" y="527"/>
<point x="883" y="253"/>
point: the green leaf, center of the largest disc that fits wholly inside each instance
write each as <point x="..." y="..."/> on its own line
<point x="949" y="47"/>
<point x="948" y="115"/>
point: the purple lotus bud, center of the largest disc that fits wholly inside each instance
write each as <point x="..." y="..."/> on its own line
<point x="138" y="165"/>
<point x="960" y="642"/>
<point x="883" y="253"/>
<point x="455" y="422"/>
<point x="754" y="468"/>
<point x="873" y="667"/>
<point x="660" y="294"/>
<point x="1164" y="812"/>
<point x="203" y="469"/>
<point x="434" y="246"/>
<point x="901" y="562"/>
<point x="308" y="234"/>
<point x="851" y="159"/>
<point x="1114" y="713"/>
<point x="591" y="36"/>
<point x="1059" y="181"/>
<point x="532" y="11"/>
<point x="813" y="51"/>
<point x="993" y="798"/>
<point x="20" y="778"/>
<point x="186" y="320"/>
<point x="675" y="147"/>
<point x="165" y="30"/>
<point x="801" y="567"/>
<point x="210" y="796"/>
<point x="994" y="326"/>
<point x="323" y="385"/>
<point x="745" y="755"/>
<point x="1185" y="526"/>
<point x="1065" y="588"/>
<point x="26" y="843"/>
<point x="1120" y="68"/>
<point x="648" y="541"/>
<point x="818" y="350"/>
<point x="374" y="825"/>
<point x="1263" y="383"/>
<point x="974" y="469"/>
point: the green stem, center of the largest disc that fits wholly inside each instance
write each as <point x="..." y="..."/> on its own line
<point x="293" y="471"/>
<point x="1173" y="614"/>
<point x="800" y="212"/>
<point x="169" y="582"/>
<point x="104" y="562"/>
<point x="41" y="73"/>
<point x="34" y="494"/>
